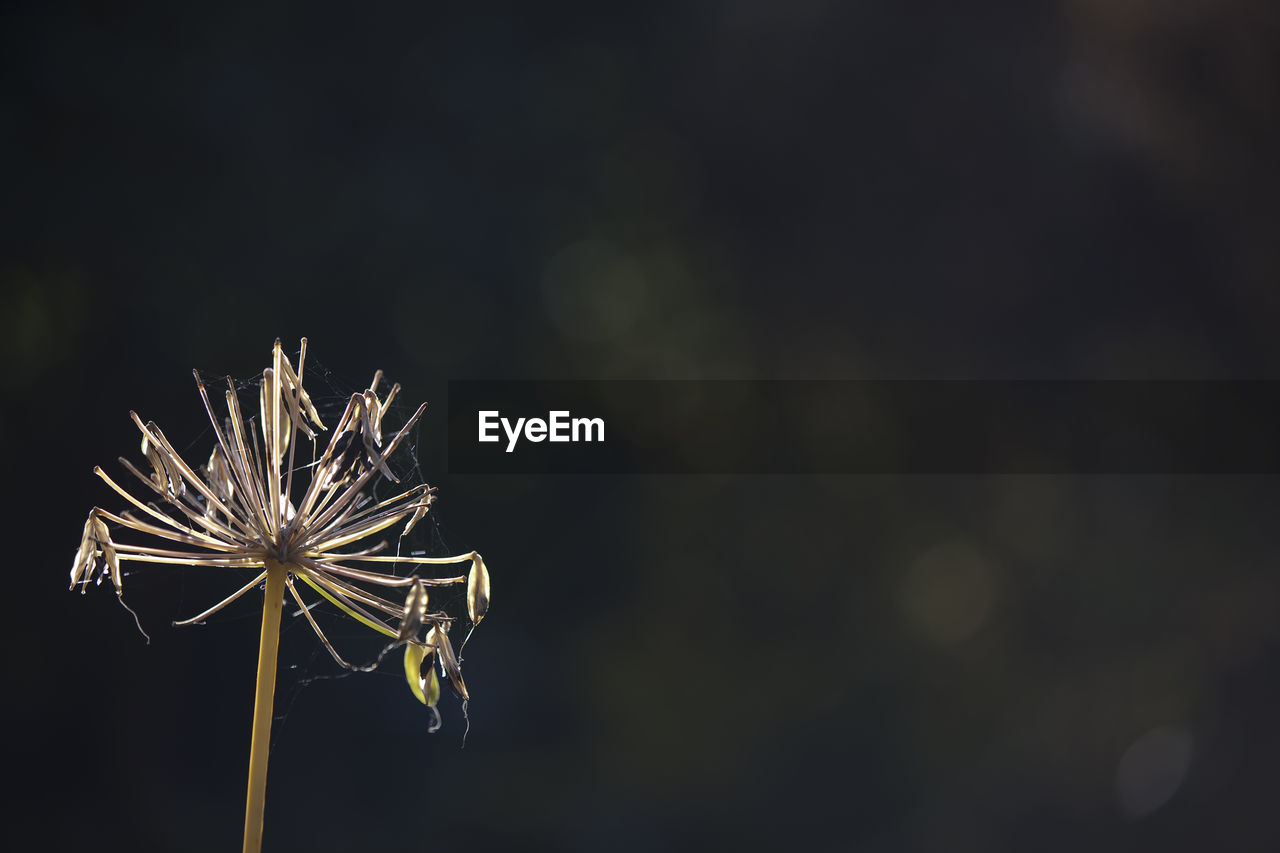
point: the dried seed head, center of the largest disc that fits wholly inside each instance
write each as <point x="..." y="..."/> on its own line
<point x="241" y="510"/>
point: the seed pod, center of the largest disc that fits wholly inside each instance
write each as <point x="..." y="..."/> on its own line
<point x="269" y="404"/>
<point x="420" y="686"/>
<point x="103" y="539"/>
<point x="432" y="687"/>
<point x="477" y="590"/>
<point x="344" y="463"/>
<point x="218" y="475"/>
<point x="293" y="386"/>
<point x="168" y="475"/>
<point x="86" y="555"/>
<point x="448" y="661"/>
<point x="160" y="473"/>
<point x="415" y="612"/>
<point x="419" y="512"/>
<point x="373" y="417"/>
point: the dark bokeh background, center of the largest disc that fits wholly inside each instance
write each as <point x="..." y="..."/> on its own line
<point x="739" y="189"/>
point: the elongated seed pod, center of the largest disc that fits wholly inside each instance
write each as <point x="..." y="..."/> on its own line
<point x="82" y="568"/>
<point x="415" y="612"/>
<point x="413" y="657"/>
<point x="449" y="661"/>
<point x="477" y="590"/>
<point x="103" y="539"/>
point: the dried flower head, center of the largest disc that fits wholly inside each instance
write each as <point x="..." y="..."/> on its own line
<point x="240" y="510"/>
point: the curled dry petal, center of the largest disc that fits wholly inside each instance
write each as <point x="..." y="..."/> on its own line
<point x="477" y="590"/>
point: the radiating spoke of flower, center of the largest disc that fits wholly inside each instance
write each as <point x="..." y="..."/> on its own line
<point x="243" y="509"/>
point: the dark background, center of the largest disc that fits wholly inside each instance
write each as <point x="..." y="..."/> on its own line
<point x="1082" y="189"/>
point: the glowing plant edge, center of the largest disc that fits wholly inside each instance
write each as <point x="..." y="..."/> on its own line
<point x="241" y="513"/>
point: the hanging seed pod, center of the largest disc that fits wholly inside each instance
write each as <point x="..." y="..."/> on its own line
<point x="477" y="590"/>
<point x="432" y="687"/>
<point x="420" y="685"/>
<point x="86" y="555"/>
<point x="415" y="612"/>
<point x="419" y="512"/>
<point x="218" y="475"/>
<point x="171" y="476"/>
<point x="449" y="661"/>
<point x="273" y="414"/>
<point x="292" y="385"/>
<point x="343" y="462"/>
<point x="96" y="538"/>
<point x="103" y="540"/>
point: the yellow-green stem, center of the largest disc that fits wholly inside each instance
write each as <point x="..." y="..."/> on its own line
<point x="260" y="745"/>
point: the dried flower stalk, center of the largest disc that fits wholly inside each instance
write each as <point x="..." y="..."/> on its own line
<point x="239" y="512"/>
